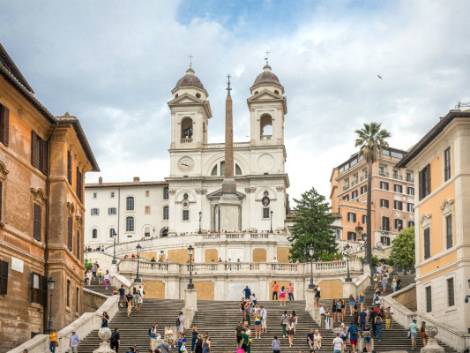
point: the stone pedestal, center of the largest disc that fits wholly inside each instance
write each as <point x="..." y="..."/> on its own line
<point x="349" y="288"/>
<point x="190" y="307"/>
<point x="432" y="346"/>
<point x="310" y="305"/>
<point x="105" y="335"/>
<point x="229" y="212"/>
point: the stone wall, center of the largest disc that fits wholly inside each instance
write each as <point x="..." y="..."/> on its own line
<point x="92" y="301"/>
<point x="407" y="298"/>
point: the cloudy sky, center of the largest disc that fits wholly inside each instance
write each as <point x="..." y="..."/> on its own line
<point x="113" y="64"/>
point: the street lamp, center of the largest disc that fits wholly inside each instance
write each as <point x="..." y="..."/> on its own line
<point x="137" y="276"/>
<point x="114" y="235"/>
<point x="190" y="253"/>
<point x="50" y="288"/>
<point x="200" y="220"/>
<point x="346" y="252"/>
<point x="311" y="252"/>
<point x="271" y="229"/>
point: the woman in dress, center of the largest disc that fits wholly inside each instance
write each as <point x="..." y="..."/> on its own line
<point x="283" y="296"/>
<point x="206" y="345"/>
<point x="333" y="310"/>
<point x="295" y="318"/>
<point x="351" y="303"/>
<point x="317" y="340"/>
<point x="290" y="331"/>
<point x="107" y="280"/>
<point x="180" y="323"/>
<point x="423" y="334"/>
<point x="339" y="310"/>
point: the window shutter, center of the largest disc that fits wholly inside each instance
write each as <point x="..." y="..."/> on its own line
<point x="3" y="277"/>
<point x="43" y="286"/>
<point x="45" y="157"/>
<point x="34" y="142"/>
<point x="69" y="167"/>
<point x="37" y="222"/>
<point x="1" y="201"/>
<point x="69" y="233"/>
<point x="4" y="125"/>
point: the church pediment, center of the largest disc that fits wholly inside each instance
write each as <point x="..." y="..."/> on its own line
<point x="215" y="195"/>
<point x="267" y="96"/>
<point x="187" y="99"/>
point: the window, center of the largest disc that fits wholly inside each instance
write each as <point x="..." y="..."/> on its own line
<point x="409" y="177"/>
<point x="147" y="232"/>
<point x="3" y="277"/>
<point x="185" y="215"/>
<point x="449" y="240"/>
<point x="384" y="203"/>
<point x="112" y="211"/>
<point x="410" y="190"/>
<point x="95" y="211"/>
<point x="411" y="224"/>
<point x="112" y="232"/>
<point x="363" y="189"/>
<point x="398" y="188"/>
<point x="346" y="197"/>
<point x="410" y="207"/>
<point x="428" y="299"/>
<point x="383" y="170"/>
<point x="425" y="182"/>
<point x="129" y="203"/>
<point x="69" y="232"/>
<point x="383" y="185"/>
<point x="385" y="223"/>
<point x="364" y="219"/>
<point x="186" y="130"/>
<point x="447" y="164"/>
<point x="266" y="126"/>
<point x="354" y="195"/>
<point x="79" y="184"/>
<point x="166" y="193"/>
<point x="398" y="224"/>
<point x="112" y="194"/>
<point x="398" y="205"/>
<point x="166" y="212"/>
<point x="351" y="217"/>
<point x="94" y="233"/>
<point x="450" y="292"/>
<point x="265" y="212"/>
<point x="37" y="222"/>
<point x="69" y="167"/>
<point x="77" y="303"/>
<point x="95" y="195"/>
<point x="4" y="124"/>
<point x="219" y="169"/>
<point x="129" y="224"/>
<point x="396" y="174"/>
<point x="427" y="243"/>
<point x="78" y="240"/>
<point x="352" y="236"/>
<point x="147" y="193"/>
<point x="37" y="289"/>
<point x="164" y="232"/>
<point x="147" y="210"/>
<point x="67" y="294"/>
<point x="39" y="153"/>
<point x="385" y="240"/>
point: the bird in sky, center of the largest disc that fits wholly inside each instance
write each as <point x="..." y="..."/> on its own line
<point x="380" y="77"/>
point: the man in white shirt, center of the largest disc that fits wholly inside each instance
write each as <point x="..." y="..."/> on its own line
<point x="337" y="344"/>
<point x="264" y="319"/>
<point x="74" y="342"/>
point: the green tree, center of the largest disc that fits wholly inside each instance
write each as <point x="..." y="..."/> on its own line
<point x="371" y="140"/>
<point x="403" y="249"/>
<point x="312" y="227"/>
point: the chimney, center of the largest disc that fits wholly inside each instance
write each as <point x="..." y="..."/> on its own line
<point x="100" y="180"/>
<point x="136" y="179"/>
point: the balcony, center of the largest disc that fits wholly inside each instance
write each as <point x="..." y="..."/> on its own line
<point x="186" y="139"/>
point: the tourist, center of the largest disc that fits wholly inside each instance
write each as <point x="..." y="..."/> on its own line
<point x="339" y="309"/>
<point x="423" y="334"/>
<point x="122" y="296"/>
<point x="361" y="299"/>
<point x="343" y="309"/>
<point x="240" y="327"/>
<point x="352" y="304"/>
<point x="317" y="296"/>
<point x="88" y="278"/>
<point x="206" y="345"/>
<point x="343" y="334"/>
<point x="153" y="333"/>
<point x="353" y="333"/>
<point x="378" y="328"/>
<point x="246" y="344"/>
<point x="247" y="313"/>
<point x="337" y="344"/>
<point x="376" y="298"/>
<point x="284" y="323"/>
<point x="384" y="281"/>
<point x="180" y="343"/>
<point x="94" y="269"/>
<point x="74" y="341"/>
<point x="290" y="291"/>
<point x="322" y="313"/>
<point x="180" y="323"/>
<point x="290" y="331"/>
<point x="388" y="318"/>
<point x="394" y="284"/>
<point x="275" y="291"/>
<point x="253" y="298"/>
<point x="194" y="336"/>
<point x="107" y="280"/>
<point x="138" y="300"/>
<point x="294" y="317"/>
<point x="317" y="340"/>
<point x="368" y="342"/>
<point x="311" y="339"/>
<point x="53" y="341"/>
<point x="363" y="319"/>
<point x="328" y="323"/>
<point x="129" y="300"/>
<point x="283" y="296"/>
<point x="264" y="319"/>
<point x="398" y="283"/>
<point x="276" y="345"/>
<point x="258" y="321"/>
<point x="247" y="293"/>
<point x="104" y="319"/>
<point x="333" y="310"/>
<point x="198" y="347"/>
<point x="115" y="340"/>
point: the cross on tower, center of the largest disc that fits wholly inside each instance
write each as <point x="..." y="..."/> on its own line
<point x="266" y="58"/>
<point x="190" y="61"/>
<point x="228" y="85"/>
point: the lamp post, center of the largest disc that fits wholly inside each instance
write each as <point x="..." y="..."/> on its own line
<point x="190" y="253"/>
<point x="271" y="228"/>
<point x="137" y="276"/>
<point x="50" y="288"/>
<point x="114" y="235"/>
<point x="200" y="220"/>
<point x="311" y="252"/>
<point x="346" y="252"/>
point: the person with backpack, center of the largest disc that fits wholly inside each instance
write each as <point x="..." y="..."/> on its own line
<point x="353" y="333"/>
<point x="276" y="345"/>
<point x="378" y="327"/>
<point x="194" y="337"/>
<point x="247" y="292"/>
<point x="284" y="323"/>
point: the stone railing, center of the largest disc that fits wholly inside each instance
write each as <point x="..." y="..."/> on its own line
<point x="404" y="316"/>
<point x="301" y="269"/>
<point x="82" y="326"/>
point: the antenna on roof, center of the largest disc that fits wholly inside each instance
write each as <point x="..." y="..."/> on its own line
<point x="461" y="105"/>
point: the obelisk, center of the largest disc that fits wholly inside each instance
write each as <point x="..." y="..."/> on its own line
<point x="230" y="205"/>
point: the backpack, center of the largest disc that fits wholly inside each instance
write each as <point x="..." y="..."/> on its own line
<point x="178" y="322"/>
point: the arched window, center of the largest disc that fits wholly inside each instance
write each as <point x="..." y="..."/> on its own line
<point x="164" y="232"/>
<point x="266" y="126"/>
<point x="130" y="224"/>
<point x="238" y="170"/>
<point x="147" y="231"/>
<point x="219" y="169"/>
<point x="94" y="233"/>
<point x="129" y="203"/>
<point x="266" y="201"/>
<point x="186" y="130"/>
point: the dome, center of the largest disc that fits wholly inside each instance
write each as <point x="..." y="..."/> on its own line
<point x="189" y="80"/>
<point x="267" y="77"/>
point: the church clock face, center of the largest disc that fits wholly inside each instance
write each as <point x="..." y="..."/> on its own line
<point x="185" y="163"/>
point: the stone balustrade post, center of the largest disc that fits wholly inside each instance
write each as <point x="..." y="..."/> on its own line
<point x="432" y="346"/>
<point x="190" y="307"/>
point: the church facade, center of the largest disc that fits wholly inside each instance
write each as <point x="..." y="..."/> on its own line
<point x="189" y="199"/>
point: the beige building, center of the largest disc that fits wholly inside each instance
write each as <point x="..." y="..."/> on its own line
<point x="392" y="198"/>
<point x="43" y="160"/>
<point x="440" y="162"/>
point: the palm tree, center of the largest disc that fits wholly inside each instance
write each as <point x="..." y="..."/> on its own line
<point x="371" y="140"/>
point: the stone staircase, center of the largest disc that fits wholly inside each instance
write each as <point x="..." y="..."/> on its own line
<point x="134" y="330"/>
<point x="99" y="288"/>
